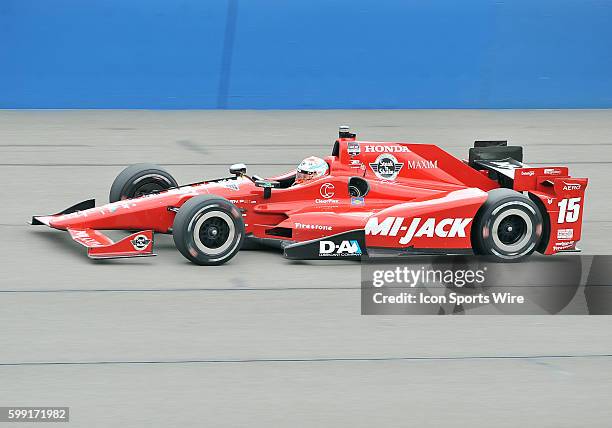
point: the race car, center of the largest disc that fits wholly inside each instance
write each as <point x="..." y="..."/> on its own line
<point x="375" y="199"/>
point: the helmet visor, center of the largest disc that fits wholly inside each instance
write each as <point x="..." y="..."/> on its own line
<point x="304" y="176"/>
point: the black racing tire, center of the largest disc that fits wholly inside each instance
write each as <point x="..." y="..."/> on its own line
<point x="140" y="179"/>
<point x="508" y="226"/>
<point x="208" y="230"/>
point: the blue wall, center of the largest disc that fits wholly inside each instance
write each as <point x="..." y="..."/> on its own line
<point x="305" y="54"/>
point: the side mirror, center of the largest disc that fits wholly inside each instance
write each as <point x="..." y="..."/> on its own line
<point x="238" y="169"/>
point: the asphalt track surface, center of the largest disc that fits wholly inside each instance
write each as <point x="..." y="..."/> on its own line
<point x="264" y="341"/>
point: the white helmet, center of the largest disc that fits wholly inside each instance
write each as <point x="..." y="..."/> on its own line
<point x="310" y="169"/>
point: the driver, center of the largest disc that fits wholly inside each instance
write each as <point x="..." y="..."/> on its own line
<point x="310" y="169"/>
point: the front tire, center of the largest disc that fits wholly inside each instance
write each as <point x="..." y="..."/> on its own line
<point x="208" y="230"/>
<point x="140" y="179"/>
<point x="508" y="226"/>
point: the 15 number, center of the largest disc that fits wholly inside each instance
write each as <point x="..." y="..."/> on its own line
<point x="569" y="210"/>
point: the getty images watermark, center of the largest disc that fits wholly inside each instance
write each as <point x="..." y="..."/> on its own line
<point x="564" y="284"/>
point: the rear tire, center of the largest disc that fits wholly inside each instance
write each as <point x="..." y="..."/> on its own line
<point x="140" y="179"/>
<point x="508" y="226"/>
<point x="208" y="230"/>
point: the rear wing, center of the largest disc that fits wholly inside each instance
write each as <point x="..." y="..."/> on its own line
<point x="559" y="196"/>
<point x="497" y="158"/>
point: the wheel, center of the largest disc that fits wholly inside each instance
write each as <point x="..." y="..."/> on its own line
<point x="208" y="230"/>
<point x="140" y="179"/>
<point x="508" y="226"/>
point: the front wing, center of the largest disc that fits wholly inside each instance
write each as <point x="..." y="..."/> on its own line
<point x="100" y="246"/>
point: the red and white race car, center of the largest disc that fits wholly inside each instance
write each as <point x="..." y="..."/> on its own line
<point x="375" y="199"/>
